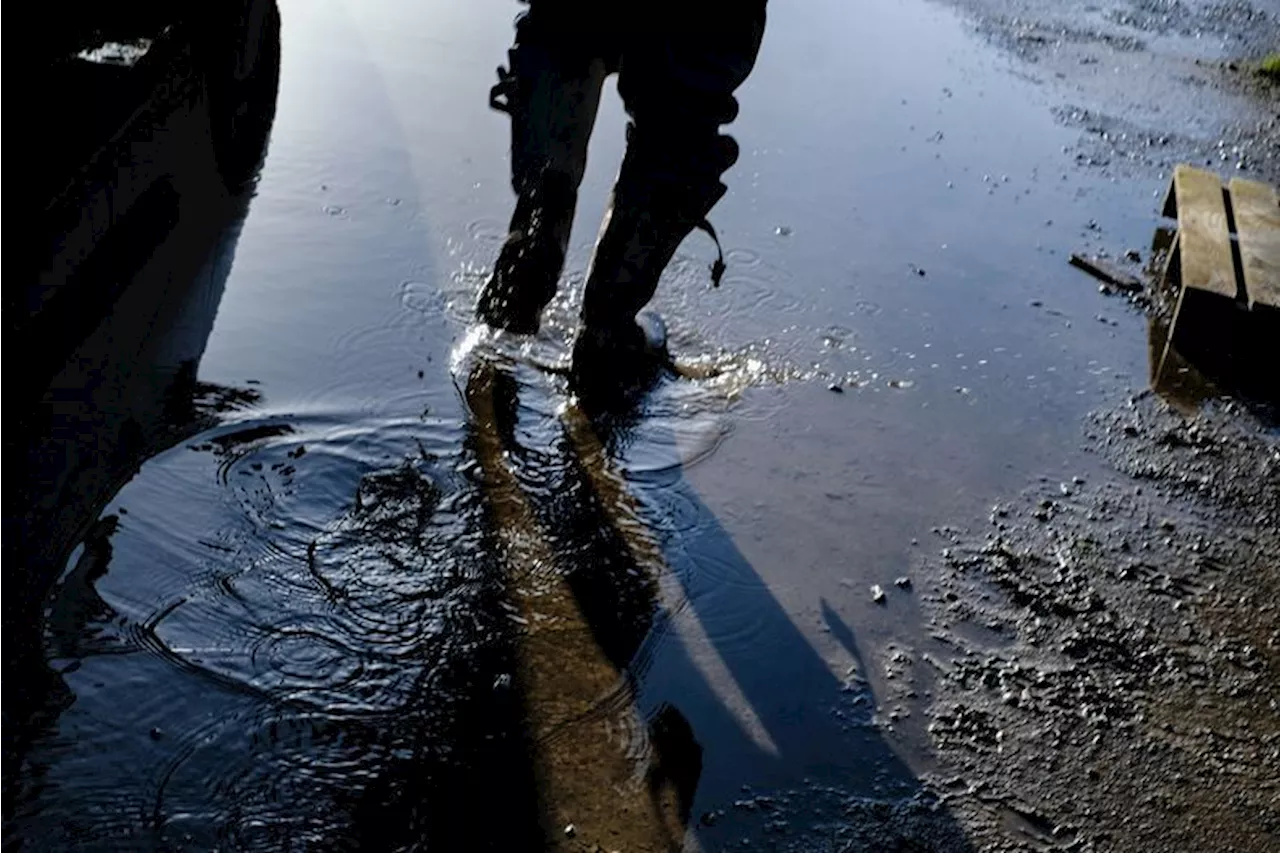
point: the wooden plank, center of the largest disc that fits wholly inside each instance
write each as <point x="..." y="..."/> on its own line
<point x="1204" y="241"/>
<point x="1257" y="213"/>
<point x="1103" y="271"/>
<point x="1169" y="209"/>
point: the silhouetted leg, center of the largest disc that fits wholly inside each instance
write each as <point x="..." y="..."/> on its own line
<point x="552" y="93"/>
<point x="675" y="768"/>
<point x="678" y="72"/>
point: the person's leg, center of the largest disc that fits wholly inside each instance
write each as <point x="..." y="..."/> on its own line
<point x="679" y="69"/>
<point x="552" y="92"/>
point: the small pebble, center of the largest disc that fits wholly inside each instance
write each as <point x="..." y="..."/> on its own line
<point x="570" y="831"/>
<point x="877" y="593"/>
<point x="836" y="388"/>
<point x="903" y="582"/>
<point x="156" y="733"/>
<point x="783" y="231"/>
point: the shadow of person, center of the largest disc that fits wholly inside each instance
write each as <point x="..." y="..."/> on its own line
<point x="585" y="605"/>
<point x="612" y="578"/>
<point x="115" y="385"/>
<point x="630" y="737"/>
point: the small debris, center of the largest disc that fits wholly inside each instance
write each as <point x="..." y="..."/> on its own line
<point x="156" y="733"/>
<point x="1133" y="256"/>
<point x="570" y="831"/>
<point x="903" y="582"/>
<point x="835" y="388"/>
<point x="1099" y="269"/>
<point x="783" y="231"/>
<point x="877" y="593"/>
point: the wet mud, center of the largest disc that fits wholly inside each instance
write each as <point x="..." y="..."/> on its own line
<point x="1102" y="654"/>
<point x="1150" y="83"/>
<point x="1105" y="678"/>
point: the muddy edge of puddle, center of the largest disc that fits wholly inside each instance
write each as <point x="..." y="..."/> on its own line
<point x="1149" y="83"/>
<point x="1104" y="652"/>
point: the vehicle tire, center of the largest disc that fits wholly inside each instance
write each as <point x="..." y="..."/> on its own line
<point x="241" y="76"/>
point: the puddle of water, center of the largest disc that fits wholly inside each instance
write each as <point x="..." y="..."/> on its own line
<point x="339" y="600"/>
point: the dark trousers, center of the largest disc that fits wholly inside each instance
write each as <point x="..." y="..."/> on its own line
<point x="678" y="64"/>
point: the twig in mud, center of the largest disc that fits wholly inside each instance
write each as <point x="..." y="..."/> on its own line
<point x="1107" y="273"/>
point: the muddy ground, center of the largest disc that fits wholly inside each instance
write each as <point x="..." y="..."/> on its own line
<point x="1151" y="83"/>
<point x="1112" y="646"/>
<point x="1106" y="651"/>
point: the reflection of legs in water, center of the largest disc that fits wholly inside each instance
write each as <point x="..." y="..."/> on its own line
<point x="678" y="70"/>
<point x="584" y="588"/>
<point x="673" y="775"/>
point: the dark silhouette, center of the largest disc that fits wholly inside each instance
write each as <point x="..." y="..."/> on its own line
<point x="111" y="322"/>
<point x="677" y="70"/>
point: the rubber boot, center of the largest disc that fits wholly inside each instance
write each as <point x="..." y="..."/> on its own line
<point x="655" y="205"/>
<point x="621" y="353"/>
<point x="552" y="98"/>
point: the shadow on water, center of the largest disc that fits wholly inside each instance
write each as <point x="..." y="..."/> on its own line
<point x="613" y="578"/>
<point x="111" y="325"/>
<point x="631" y="743"/>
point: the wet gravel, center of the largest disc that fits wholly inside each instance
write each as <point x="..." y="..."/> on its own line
<point x="1150" y="83"/>
<point x="1108" y="648"/>
<point x="1104" y="652"/>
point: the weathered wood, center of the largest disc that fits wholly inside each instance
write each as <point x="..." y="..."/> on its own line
<point x="1204" y="241"/>
<point x="1103" y="271"/>
<point x="1257" y="214"/>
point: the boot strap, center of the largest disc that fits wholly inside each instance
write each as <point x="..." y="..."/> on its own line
<point x="500" y="96"/>
<point x="718" y="268"/>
